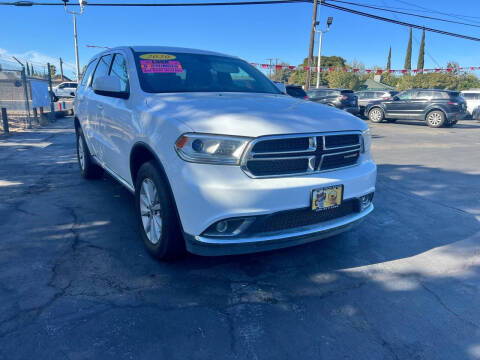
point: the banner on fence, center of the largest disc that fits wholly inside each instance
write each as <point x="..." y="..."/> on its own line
<point x="40" y="95"/>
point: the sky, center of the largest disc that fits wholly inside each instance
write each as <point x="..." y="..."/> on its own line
<point x="254" y="33"/>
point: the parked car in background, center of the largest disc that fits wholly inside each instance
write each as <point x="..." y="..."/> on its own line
<point x="65" y="89"/>
<point x="472" y="98"/>
<point x="367" y="96"/>
<point x="476" y="113"/>
<point x="296" y="91"/>
<point x="436" y="107"/>
<point x="340" y="98"/>
<point x="220" y="161"/>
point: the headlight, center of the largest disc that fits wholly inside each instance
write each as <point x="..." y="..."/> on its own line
<point x="366" y="140"/>
<point x="211" y="149"/>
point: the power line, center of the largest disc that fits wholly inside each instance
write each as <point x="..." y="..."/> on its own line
<point x="263" y="2"/>
<point x="405" y="13"/>
<point x="458" y="16"/>
<point x="381" y="18"/>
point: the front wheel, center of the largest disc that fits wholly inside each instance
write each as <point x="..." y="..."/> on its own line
<point x="376" y="115"/>
<point x="435" y="119"/>
<point x="157" y="218"/>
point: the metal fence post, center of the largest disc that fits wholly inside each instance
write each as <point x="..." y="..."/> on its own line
<point x="27" y="105"/>
<point x="52" y="110"/>
<point x="5" y="120"/>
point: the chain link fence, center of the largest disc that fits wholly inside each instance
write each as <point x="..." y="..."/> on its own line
<point x="17" y="98"/>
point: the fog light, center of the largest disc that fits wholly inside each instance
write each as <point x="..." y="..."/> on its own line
<point x="222" y="226"/>
<point x="230" y="227"/>
<point x="365" y="201"/>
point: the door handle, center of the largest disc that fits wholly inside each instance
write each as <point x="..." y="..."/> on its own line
<point x="99" y="107"/>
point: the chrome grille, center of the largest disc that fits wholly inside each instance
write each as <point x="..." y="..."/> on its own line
<point x="274" y="156"/>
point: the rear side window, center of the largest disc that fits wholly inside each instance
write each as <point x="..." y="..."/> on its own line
<point x="347" y="91"/>
<point x="88" y="73"/>
<point x="424" y="95"/>
<point x="441" y="95"/>
<point x="471" y="96"/>
<point x="103" y="66"/>
<point x="119" y="70"/>
<point x="316" y="93"/>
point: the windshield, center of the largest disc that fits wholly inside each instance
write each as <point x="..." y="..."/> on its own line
<point x="184" y="72"/>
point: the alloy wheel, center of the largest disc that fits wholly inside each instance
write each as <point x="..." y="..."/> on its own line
<point x="434" y="118"/>
<point x="81" y="153"/>
<point x="375" y="115"/>
<point x="150" y="211"/>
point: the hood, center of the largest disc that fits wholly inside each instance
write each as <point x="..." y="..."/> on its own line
<point x="252" y="115"/>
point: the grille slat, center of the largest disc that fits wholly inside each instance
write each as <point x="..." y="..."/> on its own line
<point x="296" y="155"/>
<point x="292" y="219"/>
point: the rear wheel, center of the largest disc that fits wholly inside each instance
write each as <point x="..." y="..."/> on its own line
<point x="376" y="115"/>
<point x="157" y="218"/>
<point x="88" y="168"/>
<point x="435" y="119"/>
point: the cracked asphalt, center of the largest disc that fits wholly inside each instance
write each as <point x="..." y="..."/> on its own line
<point x="76" y="283"/>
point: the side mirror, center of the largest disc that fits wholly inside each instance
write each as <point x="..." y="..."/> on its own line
<point x="281" y="87"/>
<point x="109" y="86"/>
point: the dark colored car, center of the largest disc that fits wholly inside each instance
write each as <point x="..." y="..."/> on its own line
<point x="340" y="98"/>
<point x="296" y="91"/>
<point x="436" y="107"/>
<point x="365" y="97"/>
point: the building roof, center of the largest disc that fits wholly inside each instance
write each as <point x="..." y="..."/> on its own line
<point x="370" y="84"/>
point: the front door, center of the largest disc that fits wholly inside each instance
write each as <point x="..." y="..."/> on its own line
<point x="400" y="105"/>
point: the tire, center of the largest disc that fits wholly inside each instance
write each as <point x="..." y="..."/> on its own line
<point x="376" y="115"/>
<point x="88" y="168"/>
<point x="157" y="217"/>
<point x="435" y="119"/>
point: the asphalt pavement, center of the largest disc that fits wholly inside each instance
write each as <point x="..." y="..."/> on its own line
<point x="76" y="282"/>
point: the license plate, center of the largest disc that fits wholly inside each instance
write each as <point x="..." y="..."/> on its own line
<point x="327" y="197"/>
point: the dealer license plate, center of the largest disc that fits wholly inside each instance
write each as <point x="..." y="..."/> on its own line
<point x="327" y="197"/>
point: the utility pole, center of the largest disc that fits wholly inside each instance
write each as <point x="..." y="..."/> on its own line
<point x="270" y="67"/>
<point x="61" y="68"/>
<point x="276" y="64"/>
<point x="77" y="64"/>
<point x="319" y="60"/>
<point x="312" y="40"/>
<point x="82" y="4"/>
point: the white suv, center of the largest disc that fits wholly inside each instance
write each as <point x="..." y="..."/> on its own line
<point x="220" y="161"/>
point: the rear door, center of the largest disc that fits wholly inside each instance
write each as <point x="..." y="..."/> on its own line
<point x="97" y="109"/>
<point x="399" y="106"/>
<point x="420" y="101"/>
<point x="81" y="104"/>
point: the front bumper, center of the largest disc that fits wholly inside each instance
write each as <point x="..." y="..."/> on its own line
<point x="208" y="246"/>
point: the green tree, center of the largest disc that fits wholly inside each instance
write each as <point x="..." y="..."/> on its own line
<point x="299" y="76"/>
<point x="343" y="79"/>
<point x="408" y="55"/>
<point x="389" y="59"/>
<point x="389" y="79"/>
<point x="421" y="53"/>
<point x="283" y="74"/>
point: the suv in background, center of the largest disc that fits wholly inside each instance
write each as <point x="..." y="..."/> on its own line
<point x="296" y="91"/>
<point x="220" y="161"/>
<point x="65" y="89"/>
<point x="436" y="107"/>
<point x="340" y="98"/>
<point x="367" y="96"/>
<point x="472" y="98"/>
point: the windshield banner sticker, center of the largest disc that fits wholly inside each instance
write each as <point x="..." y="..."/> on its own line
<point x="157" y="57"/>
<point x="160" y="66"/>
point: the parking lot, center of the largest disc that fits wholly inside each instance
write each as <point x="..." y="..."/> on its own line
<point x="77" y="283"/>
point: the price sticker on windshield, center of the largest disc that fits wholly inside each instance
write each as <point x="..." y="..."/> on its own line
<point x="161" y="67"/>
<point x="157" y="57"/>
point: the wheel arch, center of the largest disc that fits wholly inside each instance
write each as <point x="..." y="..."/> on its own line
<point x="140" y="154"/>
<point x="76" y="122"/>
<point x="435" y="108"/>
